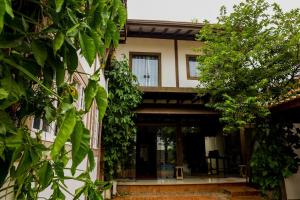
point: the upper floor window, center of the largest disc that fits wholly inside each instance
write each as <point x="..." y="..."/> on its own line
<point x="146" y="67"/>
<point x="192" y="64"/>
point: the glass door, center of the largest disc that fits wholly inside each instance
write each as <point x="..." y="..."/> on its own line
<point x="166" y="152"/>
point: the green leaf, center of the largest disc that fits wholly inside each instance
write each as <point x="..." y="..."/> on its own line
<point x="88" y="48"/>
<point x="73" y="30"/>
<point x="122" y="14"/>
<point x="60" y="74"/>
<point x="98" y="41"/>
<point x="89" y="94"/>
<point x="72" y="59"/>
<point x="8" y="8"/>
<point x="72" y="16"/>
<point x="76" y="137"/>
<point x="57" y="193"/>
<point x="6" y="123"/>
<point x="80" y="191"/>
<point x="4" y="166"/>
<point x="24" y="163"/>
<point x="10" y="42"/>
<point x="80" y="145"/>
<point x="101" y="100"/>
<point x="59" y="169"/>
<point x="2" y="13"/>
<point x="49" y="114"/>
<point x="91" y="160"/>
<point x="39" y="52"/>
<point x="59" y="4"/>
<point x="64" y="133"/>
<point x="3" y="93"/>
<point x="25" y="24"/>
<point x="48" y="76"/>
<point x="45" y="175"/>
<point x="58" y="42"/>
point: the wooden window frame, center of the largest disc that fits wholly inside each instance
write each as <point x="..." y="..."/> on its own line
<point x="189" y="77"/>
<point x="131" y="54"/>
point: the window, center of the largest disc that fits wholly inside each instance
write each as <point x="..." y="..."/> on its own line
<point x="96" y="130"/>
<point x="192" y="64"/>
<point x="80" y="91"/>
<point x="146" y="67"/>
<point x="79" y="85"/>
<point x="49" y="130"/>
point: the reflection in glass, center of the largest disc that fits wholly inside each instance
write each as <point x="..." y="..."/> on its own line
<point x="166" y="152"/>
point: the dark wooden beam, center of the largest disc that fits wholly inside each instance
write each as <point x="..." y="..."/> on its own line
<point x="160" y="36"/>
<point x="177" y="31"/>
<point x="175" y="111"/>
<point x="165" y="31"/>
<point x="188" y="32"/>
<point x="169" y="89"/>
<point x="152" y="30"/>
<point x="140" y="30"/>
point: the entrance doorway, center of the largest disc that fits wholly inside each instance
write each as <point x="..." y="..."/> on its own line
<point x="155" y="152"/>
<point x="146" y="153"/>
<point x="202" y="151"/>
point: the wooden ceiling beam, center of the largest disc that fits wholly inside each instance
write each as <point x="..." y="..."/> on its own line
<point x="152" y="30"/>
<point x="140" y="30"/>
<point x="188" y="32"/>
<point x="177" y="31"/>
<point x="165" y="31"/>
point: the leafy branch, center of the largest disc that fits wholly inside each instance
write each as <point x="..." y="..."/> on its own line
<point x="39" y="46"/>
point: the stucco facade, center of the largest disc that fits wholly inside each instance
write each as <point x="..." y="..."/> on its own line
<point x="166" y="47"/>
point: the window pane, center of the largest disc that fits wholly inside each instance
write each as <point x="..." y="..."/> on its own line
<point x="139" y="69"/>
<point x="152" y="71"/>
<point x="36" y="123"/>
<point x="146" y="69"/>
<point x="193" y="66"/>
<point x="45" y="126"/>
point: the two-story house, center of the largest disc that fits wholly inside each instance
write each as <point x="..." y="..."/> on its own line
<point x="175" y="130"/>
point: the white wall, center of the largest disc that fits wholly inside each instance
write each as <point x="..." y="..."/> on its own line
<point x="167" y="50"/>
<point x="72" y="185"/>
<point x="186" y="48"/>
<point x="292" y="183"/>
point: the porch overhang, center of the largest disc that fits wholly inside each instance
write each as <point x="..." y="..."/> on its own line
<point x="288" y="108"/>
<point x="161" y="29"/>
<point x="174" y="111"/>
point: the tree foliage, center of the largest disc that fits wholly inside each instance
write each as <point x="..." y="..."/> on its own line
<point x="39" y="41"/>
<point x="249" y="59"/>
<point x="118" y="123"/>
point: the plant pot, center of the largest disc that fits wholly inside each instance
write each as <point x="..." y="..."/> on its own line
<point x="107" y="194"/>
<point x="114" y="187"/>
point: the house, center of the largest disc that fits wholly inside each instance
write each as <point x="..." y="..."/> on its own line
<point x="175" y="130"/>
<point x="289" y="108"/>
<point x="91" y="122"/>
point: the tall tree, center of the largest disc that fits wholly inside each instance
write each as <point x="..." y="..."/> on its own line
<point x="39" y="41"/>
<point x="249" y="59"/>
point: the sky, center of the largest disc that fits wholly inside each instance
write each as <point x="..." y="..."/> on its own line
<point x="187" y="10"/>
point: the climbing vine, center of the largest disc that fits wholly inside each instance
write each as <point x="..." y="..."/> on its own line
<point x="118" y="123"/>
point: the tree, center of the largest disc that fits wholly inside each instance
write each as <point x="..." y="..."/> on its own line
<point x="248" y="60"/>
<point x="118" y="123"/>
<point x="39" y="41"/>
